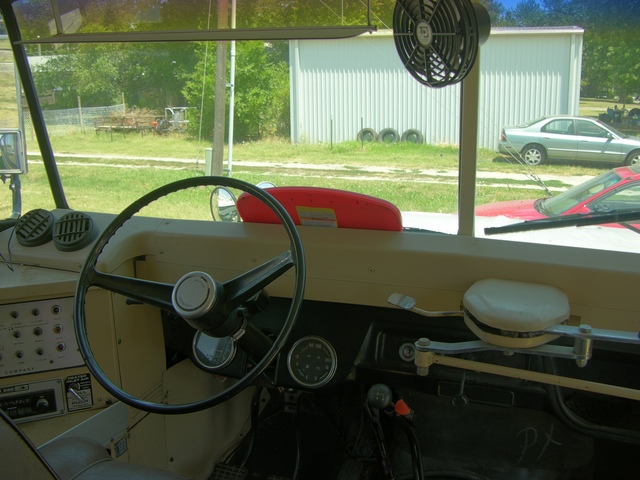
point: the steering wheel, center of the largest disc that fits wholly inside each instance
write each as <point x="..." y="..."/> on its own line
<point x="202" y="301"/>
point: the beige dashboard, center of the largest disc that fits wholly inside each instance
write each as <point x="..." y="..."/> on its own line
<point x="358" y="267"/>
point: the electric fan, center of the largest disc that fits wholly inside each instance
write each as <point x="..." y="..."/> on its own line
<point x="438" y="40"/>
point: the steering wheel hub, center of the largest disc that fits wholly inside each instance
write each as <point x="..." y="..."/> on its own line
<point x="194" y="295"/>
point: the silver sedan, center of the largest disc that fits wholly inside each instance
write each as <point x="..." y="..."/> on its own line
<point x="569" y="138"/>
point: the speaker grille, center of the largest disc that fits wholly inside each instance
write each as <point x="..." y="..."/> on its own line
<point x="73" y="231"/>
<point x="34" y="228"/>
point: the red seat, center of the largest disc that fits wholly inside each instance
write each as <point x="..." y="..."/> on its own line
<point x="324" y="207"/>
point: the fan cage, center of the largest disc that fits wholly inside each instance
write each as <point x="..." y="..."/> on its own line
<point x="447" y="52"/>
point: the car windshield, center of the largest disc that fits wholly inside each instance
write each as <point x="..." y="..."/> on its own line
<point x="559" y="204"/>
<point x="618" y="132"/>
<point x="135" y="95"/>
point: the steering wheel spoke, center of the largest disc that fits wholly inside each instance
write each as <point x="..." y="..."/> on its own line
<point x="245" y="286"/>
<point x="152" y="293"/>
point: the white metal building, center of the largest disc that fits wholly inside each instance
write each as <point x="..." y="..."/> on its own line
<point x="341" y="86"/>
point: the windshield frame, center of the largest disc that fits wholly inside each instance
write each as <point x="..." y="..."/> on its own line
<point x="469" y="124"/>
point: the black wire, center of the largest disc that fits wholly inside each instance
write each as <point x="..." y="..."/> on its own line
<point x="378" y="434"/>
<point x="414" y="444"/>
<point x="298" y="434"/>
<point x="9" y="263"/>
<point x="255" y="410"/>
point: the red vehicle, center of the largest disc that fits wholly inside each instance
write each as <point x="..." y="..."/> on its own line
<point x="616" y="190"/>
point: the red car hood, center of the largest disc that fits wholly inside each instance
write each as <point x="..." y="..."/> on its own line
<point x="523" y="209"/>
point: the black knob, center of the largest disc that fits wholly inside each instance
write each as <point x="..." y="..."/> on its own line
<point x="379" y="396"/>
<point x="42" y="405"/>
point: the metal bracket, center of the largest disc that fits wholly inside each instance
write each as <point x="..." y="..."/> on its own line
<point x="581" y="351"/>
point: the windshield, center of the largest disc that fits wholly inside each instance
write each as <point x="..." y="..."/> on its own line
<point x="531" y="122"/>
<point x="619" y="133"/>
<point x="135" y="95"/>
<point x="564" y="201"/>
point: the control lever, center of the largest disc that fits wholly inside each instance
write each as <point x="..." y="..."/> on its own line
<point x="408" y="303"/>
<point x="380" y="397"/>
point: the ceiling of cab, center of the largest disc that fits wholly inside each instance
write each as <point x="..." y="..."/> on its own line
<point x="70" y="21"/>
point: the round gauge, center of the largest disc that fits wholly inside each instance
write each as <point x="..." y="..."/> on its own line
<point x="213" y="353"/>
<point x="312" y="362"/>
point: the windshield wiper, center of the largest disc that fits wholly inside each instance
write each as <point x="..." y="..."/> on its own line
<point x="576" y="220"/>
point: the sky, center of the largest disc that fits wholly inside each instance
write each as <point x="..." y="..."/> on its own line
<point x="509" y="3"/>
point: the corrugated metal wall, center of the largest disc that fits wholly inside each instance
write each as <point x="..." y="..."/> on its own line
<point x="340" y="86"/>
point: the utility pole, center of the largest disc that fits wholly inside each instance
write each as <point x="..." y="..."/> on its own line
<point x="232" y="89"/>
<point x="217" y="153"/>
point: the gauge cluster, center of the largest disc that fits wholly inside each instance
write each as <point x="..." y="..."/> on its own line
<point x="330" y="343"/>
<point x="212" y="354"/>
<point x="312" y="361"/>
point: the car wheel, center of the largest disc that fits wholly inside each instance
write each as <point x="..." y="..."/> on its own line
<point x="633" y="158"/>
<point x="534" y="154"/>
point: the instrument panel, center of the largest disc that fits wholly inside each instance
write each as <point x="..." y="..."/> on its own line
<point x="37" y="337"/>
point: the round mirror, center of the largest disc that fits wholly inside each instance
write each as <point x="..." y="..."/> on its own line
<point x="223" y="205"/>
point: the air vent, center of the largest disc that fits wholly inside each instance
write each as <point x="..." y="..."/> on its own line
<point x="73" y="231"/>
<point x="34" y="228"/>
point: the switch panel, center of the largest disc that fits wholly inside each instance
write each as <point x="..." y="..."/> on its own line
<point x="32" y="401"/>
<point x="37" y="337"/>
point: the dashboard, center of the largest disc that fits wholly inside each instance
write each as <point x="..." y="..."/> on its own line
<point x="346" y="332"/>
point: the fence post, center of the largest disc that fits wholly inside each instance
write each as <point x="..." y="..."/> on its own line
<point x="80" y="114"/>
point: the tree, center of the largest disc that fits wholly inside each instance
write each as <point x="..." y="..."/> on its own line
<point x="261" y="92"/>
<point x="612" y="47"/>
<point x="527" y="13"/>
<point x="495" y="9"/>
<point x="149" y="76"/>
<point x="611" y="40"/>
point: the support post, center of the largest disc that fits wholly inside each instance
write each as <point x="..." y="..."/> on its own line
<point x="220" y="93"/>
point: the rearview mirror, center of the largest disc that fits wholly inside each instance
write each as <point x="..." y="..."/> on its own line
<point x="12" y="155"/>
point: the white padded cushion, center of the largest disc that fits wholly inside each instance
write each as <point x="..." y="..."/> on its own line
<point x="510" y="306"/>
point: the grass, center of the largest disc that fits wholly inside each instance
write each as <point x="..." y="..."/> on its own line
<point x="352" y="156"/>
<point x="414" y="177"/>
<point x="8" y="107"/>
<point x="592" y="107"/>
<point x="119" y="187"/>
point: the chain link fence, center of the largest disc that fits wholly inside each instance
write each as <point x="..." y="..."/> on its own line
<point x="72" y="119"/>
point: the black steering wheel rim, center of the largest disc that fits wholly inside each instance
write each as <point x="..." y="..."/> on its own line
<point x="88" y="268"/>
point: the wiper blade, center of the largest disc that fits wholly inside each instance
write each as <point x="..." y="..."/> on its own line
<point x="576" y="220"/>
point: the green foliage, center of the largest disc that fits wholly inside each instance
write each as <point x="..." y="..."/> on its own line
<point x="528" y="13"/>
<point x="495" y="10"/>
<point x="611" y="40"/>
<point x="261" y="92"/>
<point x="148" y="75"/>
